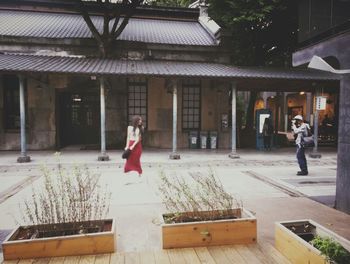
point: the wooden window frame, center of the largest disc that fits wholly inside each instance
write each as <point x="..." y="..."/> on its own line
<point x="137" y="82"/>
<point x="197" y="86"/>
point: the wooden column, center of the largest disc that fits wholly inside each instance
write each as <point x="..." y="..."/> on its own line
<point x="233" y="154"/>
<point x="23" y="158"/>
<point x="103" y="156"/>
<point x="174" y="154"/>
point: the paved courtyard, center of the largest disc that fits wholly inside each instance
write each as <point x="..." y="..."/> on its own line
<point x="265" y="182"/>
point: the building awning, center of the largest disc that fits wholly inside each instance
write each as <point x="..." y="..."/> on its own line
<point x="23" y="63"/>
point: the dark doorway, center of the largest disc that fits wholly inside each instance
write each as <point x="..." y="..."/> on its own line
<point x="79" y="119"/>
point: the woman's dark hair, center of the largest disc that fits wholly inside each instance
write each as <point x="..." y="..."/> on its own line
<point x="135" y="123"/>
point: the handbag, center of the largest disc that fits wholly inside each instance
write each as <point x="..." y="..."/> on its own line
<point x="126" y="154"/>
<point x="308" y="142"/>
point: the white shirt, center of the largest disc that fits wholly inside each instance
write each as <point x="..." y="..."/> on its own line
<point x="301" y="132"/>
<point x="133" y="135"/>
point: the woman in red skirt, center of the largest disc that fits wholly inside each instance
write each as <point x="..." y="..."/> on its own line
<point x="133" y="142"/>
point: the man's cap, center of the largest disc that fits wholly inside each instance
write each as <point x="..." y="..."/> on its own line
<point x="298" y="117"/>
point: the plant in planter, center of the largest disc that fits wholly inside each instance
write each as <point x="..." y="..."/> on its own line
<point x="202" y="213"/>
<point x="65" y="216"/>
<point x="305" y="241"/>
<point x="332" y="250"/>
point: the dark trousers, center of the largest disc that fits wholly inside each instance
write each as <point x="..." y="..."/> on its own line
<point x="267" y="142"/>
<point x="301" y="159"/>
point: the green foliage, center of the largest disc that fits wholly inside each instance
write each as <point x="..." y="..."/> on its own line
<point x="171" y="3"/>
<point x="263" y="31"/>
<point x="334" y="251"/>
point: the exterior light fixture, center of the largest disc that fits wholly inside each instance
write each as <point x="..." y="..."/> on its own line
<point x="302" y="93"/>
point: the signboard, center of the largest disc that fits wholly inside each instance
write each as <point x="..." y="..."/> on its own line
<point x="262" y="121"/>
<point x="321" y="102"/>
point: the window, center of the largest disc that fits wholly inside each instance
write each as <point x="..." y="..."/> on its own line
<point x="11" y="102"/>
<point x="191" y="98"/>
<point x="137" y="99"/>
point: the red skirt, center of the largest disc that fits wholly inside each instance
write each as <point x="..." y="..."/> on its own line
<point x="133" y="162"/>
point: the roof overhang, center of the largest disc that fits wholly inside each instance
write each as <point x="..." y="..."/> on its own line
<point x="23" y="63"/>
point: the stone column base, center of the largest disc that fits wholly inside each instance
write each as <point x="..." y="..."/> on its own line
<point x="315" y="155"/>
<point x="174" y="156"/>
<point x="23" y="159"/>
<point x="103" y="157"/>
<point x="233" y="155"/>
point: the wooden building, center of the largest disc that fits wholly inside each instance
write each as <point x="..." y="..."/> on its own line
<point x="171" y="66"/>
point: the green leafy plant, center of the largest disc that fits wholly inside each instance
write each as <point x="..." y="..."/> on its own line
<point x="68" y="196"/>
<point x="334" y="251"/>
<point x="199" y="198"/>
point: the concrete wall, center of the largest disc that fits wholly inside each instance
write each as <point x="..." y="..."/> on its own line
<point x="159" y="131"/>
<point x="40" y="119"/>
<point x="41" y="116"/>
<point x="43" y="112"/>
<point x="337" y="47"/>
<point x="343" y="168"/>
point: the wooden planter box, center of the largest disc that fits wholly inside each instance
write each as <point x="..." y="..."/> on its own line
<point x="82" y="244"/>
<point x="294" y="246"/>
<point x="242" y="230"/>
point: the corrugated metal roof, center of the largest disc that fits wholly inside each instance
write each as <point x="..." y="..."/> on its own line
<point x="58" y="25"/>
<point x="92" y="66"/>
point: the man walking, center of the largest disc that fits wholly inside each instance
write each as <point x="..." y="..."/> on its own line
<point x="300" y="129"/>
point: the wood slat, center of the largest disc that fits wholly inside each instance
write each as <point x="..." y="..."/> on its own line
<point x="71" y="260"/>
<point x="247" y="255"/>
<point x="161" y="257"/>
<point x="41" y="261"/>
<point x="103" y="259"/>
<point x="219" y="255"/>
<point x="255" y="249"/>
<point x="204" y="255"/>
<point x="57" y="260"/>
<point x="295" y="249"/>
<point x="26" y="261"/>
<point x="117" y="258"/>
<point x="233" y="255"/>
<point x="175" y="256"/>
<point x="271" y="251"/>
<point x="10" y="261"/>
<point x="132" y="258"/>
<point x="147" y="257"/>
<point x="87" y="259"/>
<point x="64" y="246"/>
<point x="190" y="256"/>
<point x="209" y="233"/>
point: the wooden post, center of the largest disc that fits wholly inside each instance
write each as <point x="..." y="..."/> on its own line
<point x="174" y="154"/>
<point x="23" y="158"/>
<point x="233" y="154"/>
<point x="103" y="156"/>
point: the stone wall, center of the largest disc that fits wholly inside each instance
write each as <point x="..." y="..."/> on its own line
<point x="336" y="47"/>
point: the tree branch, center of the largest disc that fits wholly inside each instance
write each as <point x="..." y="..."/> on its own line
<point x="130" y="9"/>
<point x="88" y="21"/>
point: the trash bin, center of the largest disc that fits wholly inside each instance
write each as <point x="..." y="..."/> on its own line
<point x="213" y="135"/>
<point x="193" y="139"/>
<point x="204" y="139"/>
